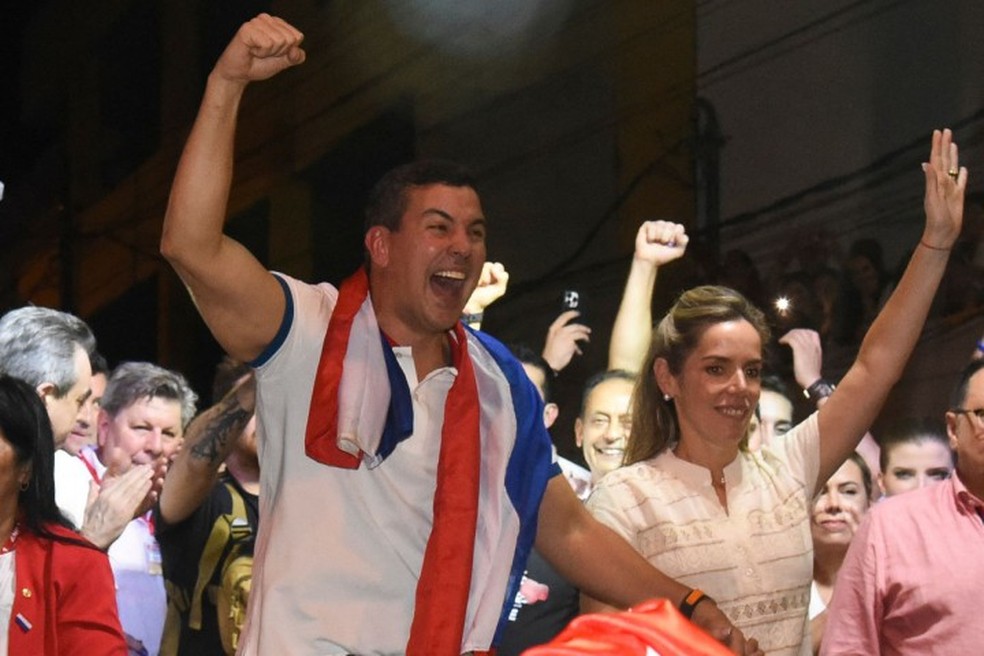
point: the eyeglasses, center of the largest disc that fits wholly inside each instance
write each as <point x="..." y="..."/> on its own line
<point x="978" y="413"/>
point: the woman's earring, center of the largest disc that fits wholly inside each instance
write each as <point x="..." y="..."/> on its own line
<point x="667" y="397"/>
<point x="24" y="485"/>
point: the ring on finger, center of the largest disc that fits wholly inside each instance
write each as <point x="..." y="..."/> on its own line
<point x="953" y="173"/>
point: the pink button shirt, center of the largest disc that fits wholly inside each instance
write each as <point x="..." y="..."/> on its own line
<point x="913" y="579"/>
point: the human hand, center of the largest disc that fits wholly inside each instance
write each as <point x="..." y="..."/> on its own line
<point x="156" y="485"/>
<point x="562" y="340"/>
<point x="660" y="242"/>
<point x="491" y="286"/>
<point x="807" y="355"/>
<point x="711" y="619"/>
<point x="115" y="502"/>
<point x="944" y="199"/>
<point x="752" y="648"/>
<point x="261" y="48"/>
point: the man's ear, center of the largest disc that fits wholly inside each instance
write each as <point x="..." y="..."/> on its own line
<point x="102" y="428"/>
<point x="550" y="412"/>
<point x="377" y="245"/>
<point x="951" y="429"/>
<point x="578" y="431"/>
<point x="667" y="381"/>
<point x="47" y="392"/>
<point x="881" y="483"/>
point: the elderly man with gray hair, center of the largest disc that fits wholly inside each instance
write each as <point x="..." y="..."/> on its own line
<point x="141" y="423"/>
<point x="49" y="350"/>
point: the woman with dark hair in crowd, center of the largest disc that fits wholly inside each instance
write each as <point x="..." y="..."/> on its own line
<point x="56" y="590"/>
<point x="834" y="519"/>
<point x="734" y="523"/>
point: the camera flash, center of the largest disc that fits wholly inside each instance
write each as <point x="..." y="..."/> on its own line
<point x="782" y="305"/>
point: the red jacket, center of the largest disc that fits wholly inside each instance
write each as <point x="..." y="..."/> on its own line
<point x="64" y="599"/>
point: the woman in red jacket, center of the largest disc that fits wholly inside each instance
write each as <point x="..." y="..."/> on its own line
<point x="56" y="590"/>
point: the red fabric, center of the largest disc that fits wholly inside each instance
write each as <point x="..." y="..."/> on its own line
<point x="655" y="624"/>
<point x="67" y="594"/>
<point x="445" y="578"/>
<point x="320" y="439"/>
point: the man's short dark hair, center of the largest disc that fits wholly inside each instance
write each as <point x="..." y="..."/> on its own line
<point x="227" y="372"/>
<point x="99" y="364"/>
<point x="599" y="378"/>
<point x="526" y="355"/>
<point x="959" y="395"/>
<point x="774" y="383"/>
<point x="388" y="198"/>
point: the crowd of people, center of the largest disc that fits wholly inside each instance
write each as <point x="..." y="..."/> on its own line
<point x="375" y="474"/>
<point x="112" y="496"/>
<point x="814" y="282"/>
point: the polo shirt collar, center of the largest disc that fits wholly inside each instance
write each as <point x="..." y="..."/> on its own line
<point x="966" y="501"/>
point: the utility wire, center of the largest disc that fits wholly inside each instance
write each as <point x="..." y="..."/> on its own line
<point x="759" y="55"/>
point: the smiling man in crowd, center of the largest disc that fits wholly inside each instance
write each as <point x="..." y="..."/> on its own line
<point x="141" y="423"/>
<point x="602" y="429"/>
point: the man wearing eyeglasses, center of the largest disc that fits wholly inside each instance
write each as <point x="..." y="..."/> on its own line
<point x="911" y="581"/>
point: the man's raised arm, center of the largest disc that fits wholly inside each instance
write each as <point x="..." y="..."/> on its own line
<point x="237" y="297"/>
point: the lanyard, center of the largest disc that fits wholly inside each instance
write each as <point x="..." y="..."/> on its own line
<point x="91" y="468"/>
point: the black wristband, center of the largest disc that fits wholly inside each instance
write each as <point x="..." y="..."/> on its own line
<point x="689" y="603"/>
<point x="820" y="389"/>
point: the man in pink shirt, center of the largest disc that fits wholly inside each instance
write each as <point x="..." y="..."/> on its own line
<point x="911" y="580"/>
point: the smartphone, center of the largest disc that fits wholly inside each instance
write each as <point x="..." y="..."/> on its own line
<point x="573" y="299"/>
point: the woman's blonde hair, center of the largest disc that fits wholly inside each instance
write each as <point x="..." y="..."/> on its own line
<point x="654" y="421"/>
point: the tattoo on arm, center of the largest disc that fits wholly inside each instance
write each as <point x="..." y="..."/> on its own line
<point x="219" y="432"/>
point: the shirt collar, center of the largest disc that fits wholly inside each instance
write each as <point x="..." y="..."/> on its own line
<point x="966" y="501"/>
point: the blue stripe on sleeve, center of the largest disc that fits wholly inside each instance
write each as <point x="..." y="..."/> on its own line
<point x="285" y="324"/>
